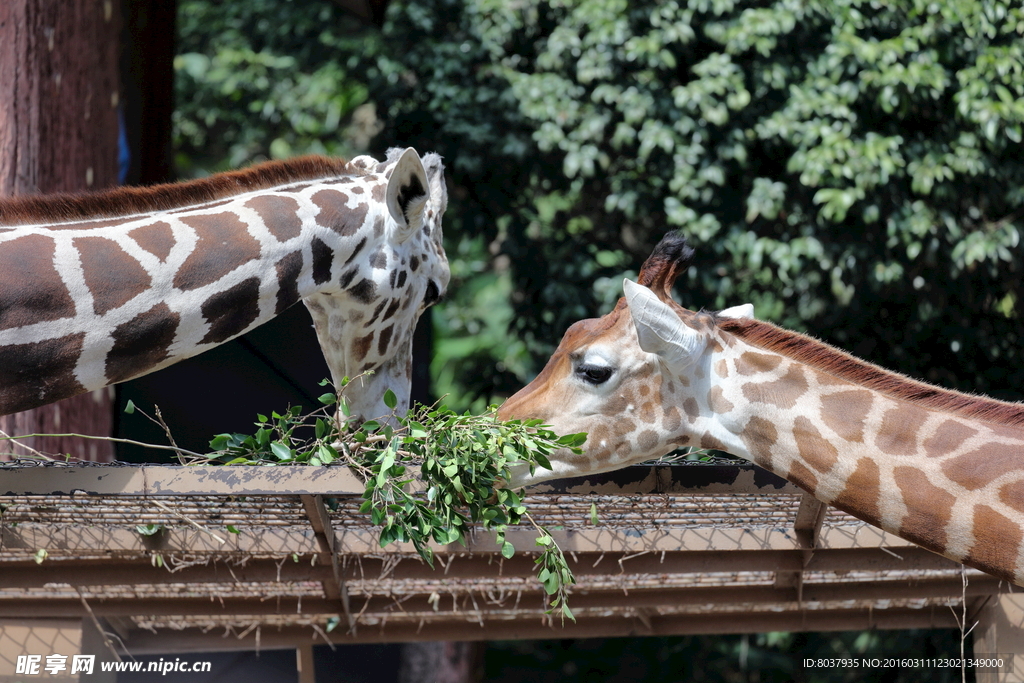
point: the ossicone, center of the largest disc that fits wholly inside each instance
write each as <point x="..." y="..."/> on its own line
<point x="667" y="262"/>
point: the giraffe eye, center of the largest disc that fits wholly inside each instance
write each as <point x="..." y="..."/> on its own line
<point x="594" y="374"/>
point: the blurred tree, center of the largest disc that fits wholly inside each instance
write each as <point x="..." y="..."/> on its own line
<point x="853" y="168"/>
<point x="256" y="80"/>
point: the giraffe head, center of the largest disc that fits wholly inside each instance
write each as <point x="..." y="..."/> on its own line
<point x="394" y="272"/>
<point x="630" y="379"/>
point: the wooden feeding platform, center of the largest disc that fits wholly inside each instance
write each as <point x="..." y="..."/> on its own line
<point x="259" y="557"/>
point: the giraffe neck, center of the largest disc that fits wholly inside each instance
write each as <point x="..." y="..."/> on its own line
<point x="90" y="303"/>
<point x="914" y="460"/>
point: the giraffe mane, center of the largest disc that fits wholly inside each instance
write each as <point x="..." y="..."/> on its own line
<point x="821" y="356"/>
<point x="121" y="201"/>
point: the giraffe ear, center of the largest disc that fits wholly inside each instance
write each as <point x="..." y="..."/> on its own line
<point x="407" y="194"/>
<point x="741" y="311"/>
<point x="659" y="330"/>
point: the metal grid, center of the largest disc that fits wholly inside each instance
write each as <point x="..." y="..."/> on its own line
<point x="247" y="558"/>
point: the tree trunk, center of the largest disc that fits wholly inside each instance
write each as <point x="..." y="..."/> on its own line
<point x="441" y="662"/>
<point x="59" y="93"/>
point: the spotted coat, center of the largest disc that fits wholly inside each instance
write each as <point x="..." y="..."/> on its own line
<point x="98" y="289"/>
<point x="942" y="469"/>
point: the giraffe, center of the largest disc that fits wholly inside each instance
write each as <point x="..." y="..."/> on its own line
<point x="939" y="468"/>
<point x="96" y="289"/>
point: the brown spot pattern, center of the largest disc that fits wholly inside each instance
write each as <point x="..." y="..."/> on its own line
<point x="288" y="269"/>
<point x="31" y="291"/>
<point x="862" y="493"/>
<point x="141" y="343"/>
<point x="597" y="439"/>
<point x="647" y="412"/>
<point x="717" y="401"/>
<point x="624" y="425"/>
<point x="976" y="469"/>
<point x="335" y="215"/>
<point x="384" y="340"/>
<point x="1012" y="494"/>
<point x="361" y="346"/>
<point x="783" y="392"/>
<point x="232" y="311"/>
<point x="156" y="238"/>
<point x="722" y="368"/>
<point x="947" y="438"/>
<point x="113" y="277"/>
<point x="844" y="413"/>
<point x="279" y="214"/>
<point x="379" y="192"/>
<point x="615" y="406"/>
<point x="997" y="542"/>
<point x="38" y="373"/>
<point x="759" y="435"/>
<point x="364" y="291"/>
<point x="752" y="363"/>
<point x="802" y="477"/>
<point x="223" y="246"/>
<point x="671" y="420"/>
<point x="814" y="449"/>
<point x="707" y="440"/>
<point x="898" y="433"/>
<point x="929" y="508"/>
<point x="691" y="409"/>
<point x="323" y="259"/>
<point x="647" y="440"/>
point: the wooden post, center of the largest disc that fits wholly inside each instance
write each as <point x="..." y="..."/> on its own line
<point x="1000" y="632"/>
<point x="59" y="93"/>
<point x="305" y="665"/>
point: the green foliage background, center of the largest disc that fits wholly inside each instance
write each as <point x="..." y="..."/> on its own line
<point x="853" y="168"/>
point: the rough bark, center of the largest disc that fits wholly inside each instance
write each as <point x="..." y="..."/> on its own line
<point x="59" y="93"/>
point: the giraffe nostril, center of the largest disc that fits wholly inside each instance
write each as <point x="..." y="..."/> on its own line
<point x="432" y="294"/>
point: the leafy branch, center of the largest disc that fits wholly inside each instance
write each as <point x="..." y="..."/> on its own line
<point x="464" y="462"/>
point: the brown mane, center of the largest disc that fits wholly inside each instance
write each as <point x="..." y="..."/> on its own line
<point x="124" y="201"/>
<point x="840" y="364"/>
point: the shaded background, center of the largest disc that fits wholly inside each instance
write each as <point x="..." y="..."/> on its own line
<point x="854" y="170"/>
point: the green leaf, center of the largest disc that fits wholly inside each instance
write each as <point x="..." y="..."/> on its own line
<point x="281" y="451"/>
<point x="507" y="550"/>
<point x="390" y="400"/>
<point x="543" y="461"/>
<point x="328" y="399"/>
<point x="129" y="407"/>
<point x="593" y="514"/>
<point x="567" y="613"/>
